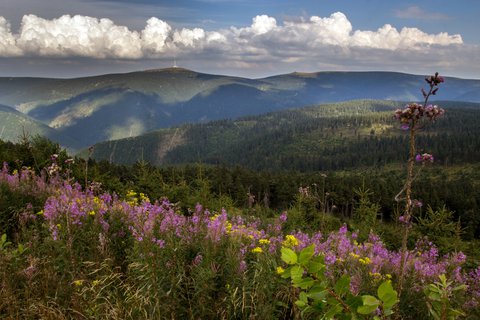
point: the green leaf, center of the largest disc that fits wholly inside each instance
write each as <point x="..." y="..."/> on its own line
<point x="334" y="310"/>
<point x="288" y="256"/>
<point x="370" y="301"/>
<point x="366" y="309"/>
<point x="303" y="297"/>
<point x="319" y="295"/>
<point x="370" y="304"/>
<point x="387" y="294"/>
<point x="305" y="283"/>
<point x="287" y="273"/>
<point x="316" y="265"/>
<point x="296" y="273"/>
<point x="300" y="304"/>
<point x="306" y="254"/>
<point x="343" y="285"/>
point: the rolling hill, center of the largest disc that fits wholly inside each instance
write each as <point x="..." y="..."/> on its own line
<point x="115" y="106"/>
<point x="325" y="137"/>
<point x="14" y="125"/>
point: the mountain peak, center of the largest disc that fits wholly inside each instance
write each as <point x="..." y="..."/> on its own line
<point x="171" y="70"/>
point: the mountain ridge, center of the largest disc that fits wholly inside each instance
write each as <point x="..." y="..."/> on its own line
<point x="113" y="106"/>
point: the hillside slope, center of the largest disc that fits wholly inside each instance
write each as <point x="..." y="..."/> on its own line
<point x="115" y="106"/>
<point x="331" y="136"/>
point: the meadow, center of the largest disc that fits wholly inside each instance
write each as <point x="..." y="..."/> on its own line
<point x="72" y="248"/>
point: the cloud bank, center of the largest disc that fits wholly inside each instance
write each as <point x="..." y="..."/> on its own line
<point x="83" y="36"/>
<point x="305" y="43"/>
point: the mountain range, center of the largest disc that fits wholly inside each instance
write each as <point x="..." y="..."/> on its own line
<point x="81" y="112"/>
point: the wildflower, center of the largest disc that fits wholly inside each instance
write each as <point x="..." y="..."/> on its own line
<point x="354" y="255"/>
<point x="417" y="203"/>
<point x="424" y="158"/>
<point x="78" y="283"/>
<point x="264" y="241"/>
<point x="91" y="213"/>
<point x="257" y="250"/>
<point x="280" y="270"/>
<point x="95" y="282"/>
<point x="290" y="241"/>
<point x="365" y="260"/>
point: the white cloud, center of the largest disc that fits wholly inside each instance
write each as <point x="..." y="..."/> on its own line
<point x="77" y="36"/>
<point x="263" y="24"/>
<point x="8" y="47"/>
<point x="313" y="42"/>
<point x="155" y="35"/>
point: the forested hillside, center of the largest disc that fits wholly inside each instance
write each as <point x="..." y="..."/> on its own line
<point x="353" y="134"/>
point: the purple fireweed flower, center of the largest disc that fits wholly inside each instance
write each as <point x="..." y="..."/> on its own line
<point x="424" y="158"/>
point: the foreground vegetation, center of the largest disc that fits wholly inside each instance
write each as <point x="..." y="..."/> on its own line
<point x="73" y="248"/>
<point x="89" y="254"/>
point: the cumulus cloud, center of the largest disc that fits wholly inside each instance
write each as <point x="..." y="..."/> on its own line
<point x="316" y="41"/>
<point x="8" y="47"/>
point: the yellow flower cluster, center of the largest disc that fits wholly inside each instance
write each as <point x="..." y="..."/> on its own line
<point x="280" y="270"/>
<point x="264" y="241"/>
<point x="365" y="260"/>
<point x="354" y="255"/>
<point x="378" y="276"/>
<point x="290" y="241"/>
<point x="78" y="283"/>
<point x="257" y="250"/>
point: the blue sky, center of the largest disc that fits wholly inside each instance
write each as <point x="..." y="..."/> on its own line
<point x="69" y="38"/>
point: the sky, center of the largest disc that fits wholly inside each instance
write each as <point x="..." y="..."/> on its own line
<point x="248" y="38"/>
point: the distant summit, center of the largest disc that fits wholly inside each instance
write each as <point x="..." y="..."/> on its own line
<point x="126" y="105"/>
<point x="173" y="69"/>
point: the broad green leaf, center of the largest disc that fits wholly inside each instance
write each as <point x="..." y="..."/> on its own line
<point x="318" y="295"/>
<point x="343" y="285"/>
<point x="370" y="301"/>
<point x="303" y="297"/>
<point x="334" y="310"/>
<point x="305" y="283"/>
<point x="289" y="256"/>
<point x="316" y="265"/>
<point x="296" y="273"/>
<point x="387" y="294"/>
<point x="366" y="309"/>
<point x="306" y="254"/>
<point x="370" y="304"/>
<point x="287" y="273"/>
<point x="300" y="303"/>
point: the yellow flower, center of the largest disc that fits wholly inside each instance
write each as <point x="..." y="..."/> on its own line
<point x="264" y="241"/>
<point x="91" y="213"/>
<point x="257" y="250"/>
<point x="40" y="213"/>
<point x="280" y="270"/>
<point x="290" y="241"/>
<point x="95" y="282"/>
<point x="365" y="261"/>
<point x="78" y="283"/>
<point x="354" y="255"/>
<point x="213" y="218"/>
<point x="388" y="276"/>
<point x="228" y="227"/>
